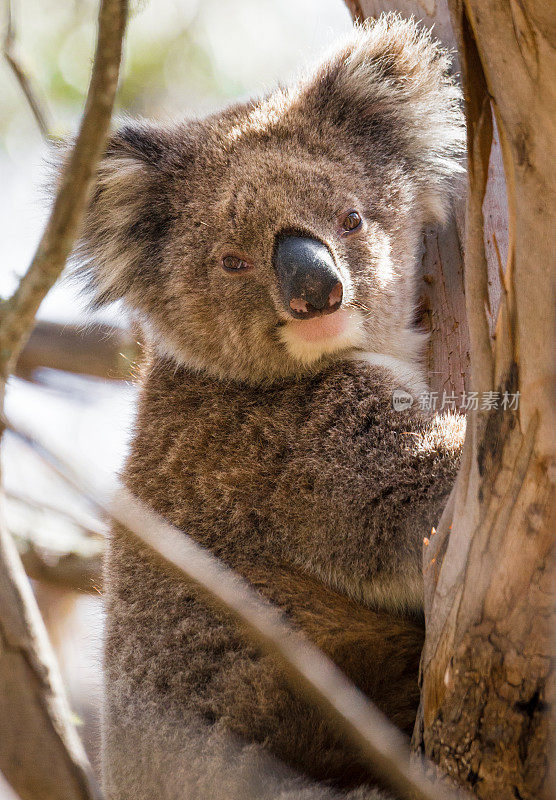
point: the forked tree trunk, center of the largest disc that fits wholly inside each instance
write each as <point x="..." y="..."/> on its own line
<point x="487" y="680"/>
<point x="487" y="661"/>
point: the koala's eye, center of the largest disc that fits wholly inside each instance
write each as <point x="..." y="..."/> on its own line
<point x="235" y="264"/>
<point x="351" y="221"/>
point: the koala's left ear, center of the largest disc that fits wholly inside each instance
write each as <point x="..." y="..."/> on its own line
<point x="389" y="89"/>
<point x="129" y="215"/>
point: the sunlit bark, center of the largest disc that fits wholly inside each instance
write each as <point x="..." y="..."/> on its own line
<point x="486" y="670"/>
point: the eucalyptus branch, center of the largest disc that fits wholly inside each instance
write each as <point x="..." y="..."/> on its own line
<point x="101" y="351"/>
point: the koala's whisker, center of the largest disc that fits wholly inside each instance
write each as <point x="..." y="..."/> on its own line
<point x="357" y="304"/>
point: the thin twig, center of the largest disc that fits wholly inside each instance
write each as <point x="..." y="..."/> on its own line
<point x="9" y="50"/>
<point x="67" y="568"/>
<point x="17" y="314"/>
<point x="89" y="528"/>
<point x="385" y="747"/>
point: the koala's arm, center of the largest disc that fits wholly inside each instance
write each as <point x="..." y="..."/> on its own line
<point x="363" y="486"/>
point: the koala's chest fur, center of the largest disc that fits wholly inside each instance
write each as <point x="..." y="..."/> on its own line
<point x="319" y="474"/>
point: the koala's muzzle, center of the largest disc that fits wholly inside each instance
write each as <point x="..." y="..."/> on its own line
<point x="308" y="279"/>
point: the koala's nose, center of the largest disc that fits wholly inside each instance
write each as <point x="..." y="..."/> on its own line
<point x="309" y="281"/>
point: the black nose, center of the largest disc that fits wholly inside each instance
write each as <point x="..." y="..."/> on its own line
<point x="309" y="281"/>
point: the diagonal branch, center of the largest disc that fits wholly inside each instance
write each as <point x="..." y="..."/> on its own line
<point x="377" y="739"/>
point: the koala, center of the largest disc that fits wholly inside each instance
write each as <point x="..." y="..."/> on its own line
<point x="268" y="253"/>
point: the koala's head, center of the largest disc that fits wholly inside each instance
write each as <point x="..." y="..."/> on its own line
<point x="276" y="235"/>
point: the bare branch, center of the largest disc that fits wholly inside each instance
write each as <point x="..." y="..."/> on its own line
<point x="102" y="351"/>
<point x="17" y="313"/>
<point x="377" y="739"/>
<point x="72" y="571"/>
<point x="89" y="527"/>
<point x="75" y="568"/>
<point x="9" y="50"/>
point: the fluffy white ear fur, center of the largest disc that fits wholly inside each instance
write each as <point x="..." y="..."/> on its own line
<point x="128" y="213"/>
<point x="120" y="182"/>
<point x="393" y="67"/>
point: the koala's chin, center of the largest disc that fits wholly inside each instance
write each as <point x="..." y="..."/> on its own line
<point x="308" y="341"/>
<point x="293" y="347"/>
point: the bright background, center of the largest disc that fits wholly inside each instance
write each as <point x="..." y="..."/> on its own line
<point x="182" y="58"/>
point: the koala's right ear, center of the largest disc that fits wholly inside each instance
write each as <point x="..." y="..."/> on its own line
<point x="389" y="92"/>
<point x="129" y="216"/>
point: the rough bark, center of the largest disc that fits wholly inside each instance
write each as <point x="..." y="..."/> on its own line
<point x="487" y="680"/>
<point x="40" y="753"/>
<point x="487" y="676"/>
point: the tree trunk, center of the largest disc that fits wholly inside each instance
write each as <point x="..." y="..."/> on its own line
<point x="487" y="660"/>
<point x="487" y="680"/>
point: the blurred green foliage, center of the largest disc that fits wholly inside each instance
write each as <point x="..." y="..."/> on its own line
<point x="181" y="56"/>
<point x="55" y="43"/>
